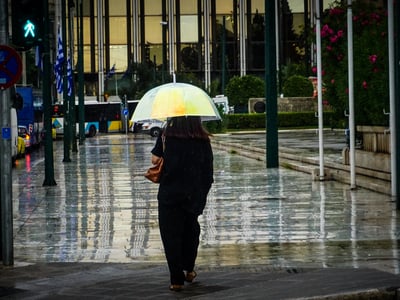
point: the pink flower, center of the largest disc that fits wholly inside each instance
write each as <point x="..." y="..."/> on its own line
<point x="340" y="33"/>
<point x="336" y="11"/>
<point x="314" y="70"/>
<point x="325" y="31"/>
<point x="333" y="81"/>
<point x="365" y="85"/>
<point x="373" y="58"/>
<point x="329" y="48"/>
<point x="375" y="16"/>
<point x="333" y="39"/>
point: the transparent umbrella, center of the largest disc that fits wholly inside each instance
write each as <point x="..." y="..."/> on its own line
<point x="174" y="100"/>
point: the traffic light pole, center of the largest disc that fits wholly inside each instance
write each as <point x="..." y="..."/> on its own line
<point x="270" y="86"/>
<point x="6" y="224"/>
<point x="47" y="107"/>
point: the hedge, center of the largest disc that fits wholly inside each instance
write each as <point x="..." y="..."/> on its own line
<point x="285" y="119"/>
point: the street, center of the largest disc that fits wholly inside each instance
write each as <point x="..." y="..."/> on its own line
<point x="104" y="210"/>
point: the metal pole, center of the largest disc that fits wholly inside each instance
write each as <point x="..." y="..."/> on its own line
<point x="351" y="94"/>
<point x="270" y="85"/>
<point x="171" y="41"/>
<point x="164" y="24"/>
<point x="393" y="146"/>
<point x="242" y="40"/>
<point x="319" y="88"/>
<point x="6" y="215"/>
<point x="100" y="46"/>
<point x="396" y="124"/>
<point x="207" y="58"/>
<point x="81" y="96"/>
<point x="47" y="103"/>
<point x="135" y="23"/>
<point x="71" y="99"/>
<point x="223" y="54"/>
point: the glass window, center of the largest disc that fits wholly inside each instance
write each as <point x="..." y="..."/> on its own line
<point x="223" y="7"/>
<point x="86" y="31"/>
<point x="153" y="30"/>
<point x="156" y="51"/>
<point x="189" y="29"/>
<point x="188" y="7"/>
<point x="296" y="6"/>
<point x="118" y="34"/>
<point x="117" y="8"/>
<point x="86" y="8"/>
<point x="118" y="55"/>
<point x="258" y="5"/>
<point x="152" y="7"/>
<point x="228" y="25"/>
<point x="87" y="57"/>
<point x="298" y="23"/>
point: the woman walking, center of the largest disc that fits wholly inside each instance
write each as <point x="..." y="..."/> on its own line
<point x="185" y="182"/>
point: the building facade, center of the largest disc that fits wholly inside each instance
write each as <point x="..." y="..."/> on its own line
<point x="210" y="39"/>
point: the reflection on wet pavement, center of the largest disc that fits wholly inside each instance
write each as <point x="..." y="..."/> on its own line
<point x="104" y="210"/>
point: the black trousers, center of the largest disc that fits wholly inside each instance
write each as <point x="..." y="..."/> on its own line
<point x="180" y="232"/>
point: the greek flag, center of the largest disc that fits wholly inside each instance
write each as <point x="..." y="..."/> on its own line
<point x="38" y="58"/>
<point x="111" y="72"/>
<point x="58" y="67"/>
<point x="69" y="77"/>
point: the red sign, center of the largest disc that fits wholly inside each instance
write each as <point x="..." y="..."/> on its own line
<point x="10" y="67"/>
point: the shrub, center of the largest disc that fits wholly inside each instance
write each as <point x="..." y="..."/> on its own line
<point x="298" y="86"/>
<point x="240" y="89"/>
<point x="369" y="59"/>
<point x="285" y="119"/>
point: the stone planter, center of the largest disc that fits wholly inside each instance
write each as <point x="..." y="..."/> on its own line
<point x="375" y="138"/>
<point x="285" y="104"/>
<point x="375" y="150"/>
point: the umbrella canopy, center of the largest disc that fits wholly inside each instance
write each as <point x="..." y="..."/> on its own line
<point x="175" y="100"/>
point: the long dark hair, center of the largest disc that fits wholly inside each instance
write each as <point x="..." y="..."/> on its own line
<point x="185" y="127"/>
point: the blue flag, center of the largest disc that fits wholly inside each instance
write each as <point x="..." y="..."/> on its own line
<point x="70" y="81"/>
<point x="58" y="66"/>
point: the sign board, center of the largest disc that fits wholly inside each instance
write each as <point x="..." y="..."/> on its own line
<point x="6" y="133"/>
<point x="126" y="112"/>
<point x="10" y="67"/>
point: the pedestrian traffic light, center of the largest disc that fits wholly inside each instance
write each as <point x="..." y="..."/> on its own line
<point x="27" y="23"/>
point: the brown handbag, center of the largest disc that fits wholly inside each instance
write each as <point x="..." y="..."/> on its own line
<point x="154" y="172"/>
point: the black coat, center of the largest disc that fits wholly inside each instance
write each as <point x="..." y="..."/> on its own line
<point x="187" y="173"/>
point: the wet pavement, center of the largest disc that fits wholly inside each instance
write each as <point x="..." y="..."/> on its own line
<point x="260" y="226"/>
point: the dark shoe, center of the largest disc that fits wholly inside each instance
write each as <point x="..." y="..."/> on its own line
<point x="190" y="276"/>
<point x="176" y="287"/>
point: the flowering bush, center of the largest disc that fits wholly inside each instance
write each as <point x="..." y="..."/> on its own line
<point x="370" y="52"/>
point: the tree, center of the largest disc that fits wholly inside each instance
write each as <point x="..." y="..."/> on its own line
<point x="240" y="89"/>
<point x="371" y="92"/>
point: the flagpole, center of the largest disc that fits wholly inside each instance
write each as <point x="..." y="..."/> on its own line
<point x="116" y="85"/>
<point x="67" y="124"/>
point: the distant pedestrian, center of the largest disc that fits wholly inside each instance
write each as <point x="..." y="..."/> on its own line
<point x="185" y="182"/>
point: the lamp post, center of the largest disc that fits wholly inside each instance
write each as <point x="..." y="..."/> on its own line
<point x="164" y="25"/>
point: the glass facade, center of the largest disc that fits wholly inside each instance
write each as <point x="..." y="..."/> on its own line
<point x="227" y="34"/>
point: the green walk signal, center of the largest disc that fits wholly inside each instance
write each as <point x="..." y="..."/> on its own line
<point x="27" y="23"/>
<point x="30" y="29"/>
